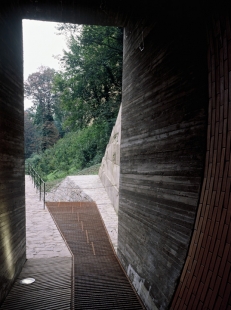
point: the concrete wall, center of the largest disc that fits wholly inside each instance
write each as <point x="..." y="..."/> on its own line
<point x="12" y="184"/>
<point x="163" y="144"/>
<point x="203" y="283"/>
<point x="166" y="106"/>
<point x="109" y="171"/>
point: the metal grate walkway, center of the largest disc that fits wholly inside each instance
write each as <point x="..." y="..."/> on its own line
<point x="91" y="279"/>
<point x="51" y="289"/>
<point x="99" y="280"/>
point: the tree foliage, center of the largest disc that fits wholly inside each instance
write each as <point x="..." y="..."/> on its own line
<point x="38" y="88"/>
<point x="81" y="101"/>
<point x="89" y="88"/>
<point x="74" y="152"/>
<point x="30" y="136"/>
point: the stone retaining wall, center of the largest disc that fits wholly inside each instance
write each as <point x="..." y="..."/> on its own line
<point x="109" y="171"/>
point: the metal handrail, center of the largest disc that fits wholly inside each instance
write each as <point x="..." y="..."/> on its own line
<point x="38" y="182"/>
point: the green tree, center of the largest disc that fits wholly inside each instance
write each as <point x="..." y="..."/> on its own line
<point x="31" y="138"/>
<point x="83" y="100"/>
<point x="38" y="88"/>
<point x="89" y="87"/>
<point x="73" y="152"/>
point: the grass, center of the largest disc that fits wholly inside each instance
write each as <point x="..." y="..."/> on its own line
<point x="88" y="171"/>
<point x="93" y="170"/>
<point x="53" y="183"/>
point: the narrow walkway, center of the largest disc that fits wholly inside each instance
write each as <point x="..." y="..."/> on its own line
<point x="49" y="261"/>
<point x="99" y="280"/>
<point x="88" y="188"/>
<point x="43" y="240"/>
<point x="51" y="289"/>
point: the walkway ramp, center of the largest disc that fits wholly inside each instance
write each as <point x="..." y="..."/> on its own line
<point x="88" y="188"/>
<point x="99" y="281"/>
<point x="80" y="270"/>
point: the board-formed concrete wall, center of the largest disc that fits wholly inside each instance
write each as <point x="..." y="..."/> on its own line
<point x="109" y="171"/>
<point x="12" y="184"/>
<point x="204" y="281"/>
<point x="165" y="103"/>
<point x="163" y="143"/>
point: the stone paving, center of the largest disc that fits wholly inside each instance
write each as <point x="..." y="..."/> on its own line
<point x="67" y="190"/>
<point x="43" y="237"/>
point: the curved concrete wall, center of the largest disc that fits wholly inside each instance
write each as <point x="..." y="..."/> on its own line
<point x="163" y="144"/>
<point x="205" y="280"/>
<point x="109" y="171"/>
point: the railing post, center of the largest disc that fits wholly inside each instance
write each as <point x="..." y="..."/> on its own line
<point x="40" y="188"/>
<point x="37" y="180"/>
<point x="44" y="192"/>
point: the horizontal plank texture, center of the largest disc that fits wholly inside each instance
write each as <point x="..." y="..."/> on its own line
<point x="163" y="142"/>
<point x="12" y="185"/>
<point x="205" y="280"/>
<point x="171" y="101"/>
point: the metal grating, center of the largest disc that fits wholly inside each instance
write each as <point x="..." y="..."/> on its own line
<point x="51" y="289"/>
<point x="99" y="280"/>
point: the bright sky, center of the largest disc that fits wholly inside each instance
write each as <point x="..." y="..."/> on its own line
<point x="40" y="44"/>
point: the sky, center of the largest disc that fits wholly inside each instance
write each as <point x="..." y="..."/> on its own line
<point x="40" y="44"/>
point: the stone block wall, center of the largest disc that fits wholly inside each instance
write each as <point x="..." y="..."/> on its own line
<point x="109" y="171"/>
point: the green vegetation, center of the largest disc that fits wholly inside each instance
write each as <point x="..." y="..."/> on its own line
<point x="86" y="171"/>
<point x="72" y="153"/>
<point x="75" y="109"/>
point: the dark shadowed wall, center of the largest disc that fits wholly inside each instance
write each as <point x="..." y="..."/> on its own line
<point x="205" y="282"/>
<point x="163" y="140"/>
<point x="12" y="187"/>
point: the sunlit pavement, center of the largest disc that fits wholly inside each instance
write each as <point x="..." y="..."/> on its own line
<point x="43" y="237"/>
